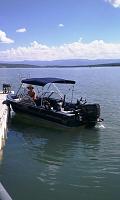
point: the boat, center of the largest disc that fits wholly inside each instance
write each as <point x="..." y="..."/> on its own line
<point x="52" y="105"/>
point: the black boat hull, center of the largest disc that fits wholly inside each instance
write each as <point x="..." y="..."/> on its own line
<point x="70" y="120"/>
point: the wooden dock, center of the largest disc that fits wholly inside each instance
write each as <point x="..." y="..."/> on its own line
<point x="4" y="194"/>
<point x="3" y="135"/>
<point x="3" y="120"/>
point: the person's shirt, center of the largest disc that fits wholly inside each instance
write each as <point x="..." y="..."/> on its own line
<point x="31" y="93"/>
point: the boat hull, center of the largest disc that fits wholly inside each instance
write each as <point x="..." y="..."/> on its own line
<point x="70" y="120"/>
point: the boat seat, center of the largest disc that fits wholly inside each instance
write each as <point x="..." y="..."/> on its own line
<point x="27" y="101"/>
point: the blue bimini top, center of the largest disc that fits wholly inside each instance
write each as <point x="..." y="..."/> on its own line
<point x="46" y="80"/>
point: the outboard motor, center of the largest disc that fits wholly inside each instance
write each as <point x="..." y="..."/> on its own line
<point x="91" y="114"/>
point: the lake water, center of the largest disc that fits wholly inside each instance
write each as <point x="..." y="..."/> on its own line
<point x="49" y="163"/>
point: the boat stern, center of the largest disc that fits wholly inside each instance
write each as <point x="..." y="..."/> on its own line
<point x="91" y="114"/>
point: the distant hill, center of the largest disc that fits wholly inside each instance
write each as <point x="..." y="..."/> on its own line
<point x="16" y="65"/>
<point x="62" y="63"/>
<point x="69" y="62"/>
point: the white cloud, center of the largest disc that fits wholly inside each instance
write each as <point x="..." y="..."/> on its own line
<point x="21" y="30"/>
<point x="115" y="3"/>
<point x="4" y="38"/>
<point x="97" y="49"/>
<point x="61" y="25"/>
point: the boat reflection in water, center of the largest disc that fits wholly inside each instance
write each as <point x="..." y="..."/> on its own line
<point x="49" y="157"/>
<point x="51" y="145"/>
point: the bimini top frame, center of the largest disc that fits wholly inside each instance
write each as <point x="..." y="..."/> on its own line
<point x="44" y="81"/>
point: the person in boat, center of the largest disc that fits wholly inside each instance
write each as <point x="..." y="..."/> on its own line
<point x="31" y="92"/>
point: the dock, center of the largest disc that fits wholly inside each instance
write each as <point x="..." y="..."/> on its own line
<point x="3" y="120"/>
<point x="3" y="135"/>
<point x="4" y="194"/>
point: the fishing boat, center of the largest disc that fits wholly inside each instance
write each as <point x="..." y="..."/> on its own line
<point x="52" y="105"/>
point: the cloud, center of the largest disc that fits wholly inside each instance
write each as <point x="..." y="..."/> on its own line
<point x="61" y="25"/>
<point x="114" y="3"/>
<point x="4" y="38"/>
<point x="21" y="30"/>
<point x="97" y="49"/>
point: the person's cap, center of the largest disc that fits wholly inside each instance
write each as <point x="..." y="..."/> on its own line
<point x="30" y="87"/>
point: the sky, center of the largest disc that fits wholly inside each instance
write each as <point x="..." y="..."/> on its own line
<point x="59" y="29"/>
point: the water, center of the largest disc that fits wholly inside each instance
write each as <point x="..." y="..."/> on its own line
<point x="42" y="161"/>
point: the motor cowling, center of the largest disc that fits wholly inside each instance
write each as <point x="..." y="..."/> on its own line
<point x="91" y="113"/>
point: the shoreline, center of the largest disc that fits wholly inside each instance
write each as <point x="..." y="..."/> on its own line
<point x="6" y="65"/>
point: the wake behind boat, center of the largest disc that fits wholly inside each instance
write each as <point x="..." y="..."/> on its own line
<point x="52" y="105"/>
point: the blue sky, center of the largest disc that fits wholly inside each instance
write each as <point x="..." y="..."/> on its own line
<point x="59" y="29"/>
